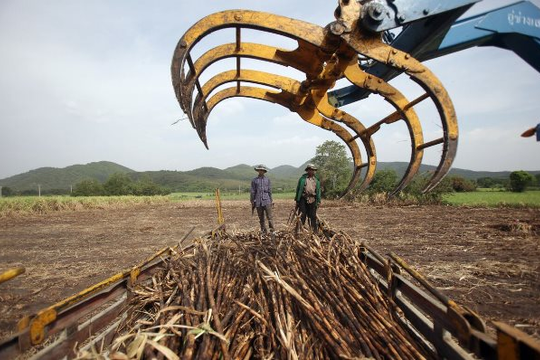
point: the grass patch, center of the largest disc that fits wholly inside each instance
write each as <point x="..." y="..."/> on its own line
<point x="10" y="206"/>
<point x="46" y="204"/>
<point x="182" y="196"/>
<point x="25" y="205"/>
<point x="494" y="198"/>
<point x="500" y="189"/>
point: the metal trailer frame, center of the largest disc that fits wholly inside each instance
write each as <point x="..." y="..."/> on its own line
<point x="444" y="328"/>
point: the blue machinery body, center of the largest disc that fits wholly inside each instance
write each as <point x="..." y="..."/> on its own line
<point x="431" y="29"/>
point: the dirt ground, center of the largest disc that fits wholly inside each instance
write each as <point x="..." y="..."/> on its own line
<point x="486" y="259"/>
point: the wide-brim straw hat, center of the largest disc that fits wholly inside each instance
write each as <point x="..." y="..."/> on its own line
<point x="310" y="166"/>
<point x="261" y="167"/>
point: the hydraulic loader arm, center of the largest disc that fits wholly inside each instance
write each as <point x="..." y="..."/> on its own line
<point x="325" y="55"/>
<point x="515" y="27"/>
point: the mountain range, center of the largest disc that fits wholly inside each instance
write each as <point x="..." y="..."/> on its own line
<point x="201" y="179"/>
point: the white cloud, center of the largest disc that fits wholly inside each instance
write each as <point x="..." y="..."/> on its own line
<point x="286" y="120"/>
<point x="297" y="141"/>
<point x="89" y="81"/>
<point x="229" y="108"/>
<point x="497" y="149"/>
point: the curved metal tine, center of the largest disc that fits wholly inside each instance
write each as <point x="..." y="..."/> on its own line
<point x="300" y="59"/>
<point x="295" y="29"/>
<point x="307" y="113"/>
<point x="344" y="135"/>
<point x="403" y="111"/>
<point x="450" y="134"/>
<point x="291" y="86"/>
<point x="374" y="48"/>
<point x="254" y="76"/>
<point x="323" y="105"/>
<point x="201" y="113"/>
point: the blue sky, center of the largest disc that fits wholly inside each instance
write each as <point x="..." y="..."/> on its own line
<point x="86" y="81"/>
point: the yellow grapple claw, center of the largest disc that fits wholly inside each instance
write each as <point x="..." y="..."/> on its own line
<point x="325" y="55"/>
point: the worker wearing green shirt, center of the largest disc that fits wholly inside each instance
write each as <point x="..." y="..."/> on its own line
<point x="308" y="196"/>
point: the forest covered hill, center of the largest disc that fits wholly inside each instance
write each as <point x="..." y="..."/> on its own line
<point x="283" y="177"/>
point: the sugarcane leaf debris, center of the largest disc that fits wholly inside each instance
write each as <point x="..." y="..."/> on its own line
<point x="243" y="295"/>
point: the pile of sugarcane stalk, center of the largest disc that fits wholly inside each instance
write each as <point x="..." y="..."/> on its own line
<point x="241" y="296"/>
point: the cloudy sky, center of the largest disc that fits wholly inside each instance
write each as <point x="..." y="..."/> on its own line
<point x="84" y="81"/>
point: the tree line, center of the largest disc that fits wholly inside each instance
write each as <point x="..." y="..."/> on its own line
<point x="335" y="171"/>
<point x="119" y="184"/>
<point x="116" y="185"/>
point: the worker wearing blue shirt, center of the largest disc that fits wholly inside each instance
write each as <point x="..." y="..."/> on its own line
<point x="261" y="198"/>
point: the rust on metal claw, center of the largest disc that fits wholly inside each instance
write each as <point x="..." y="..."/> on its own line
<point x="324" y="55"/>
